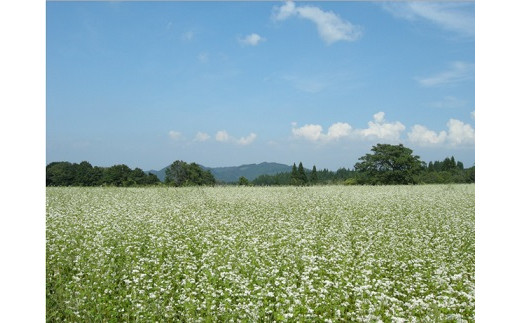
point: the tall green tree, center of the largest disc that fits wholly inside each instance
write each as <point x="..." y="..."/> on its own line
<point x="180" y="173"/>
<point x="302" y="177"/>
<point x="314" y="175"/>
<point x="389" y="164"/>
<point x="242" y="181"/>
<point x="176" y="173"/>
<point x="294" y="175"/>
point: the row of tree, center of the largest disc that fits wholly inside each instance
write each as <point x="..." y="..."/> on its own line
<point x="84" y="174"/>
<point x="386" y="164"/>
<point x="301" y="176"/>
<point x="179" y="173"/>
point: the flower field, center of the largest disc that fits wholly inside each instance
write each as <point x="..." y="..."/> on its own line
<point x="331" y="253"/>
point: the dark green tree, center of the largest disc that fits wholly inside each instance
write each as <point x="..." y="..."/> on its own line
<point x="302" y="177"/>
<point x="389" y="164"/>
<point x="294" y="175"/>
<point x="176" y="173"/>
<point x="118" y="175"/>
<point x="60" y="174"/>
<point x="314" y="175"/>
<point x="83" y="174"/>
<point x="180" y="173"/>
<point x="242" y="181"/>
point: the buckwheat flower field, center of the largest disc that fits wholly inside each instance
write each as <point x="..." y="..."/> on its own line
<point x="328" y="254"/>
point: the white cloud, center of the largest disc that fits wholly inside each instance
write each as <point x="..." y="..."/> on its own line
<point x="202" y="136"/>
<point x="175" y="135"/>
<point x="285" y="11"/>
<point x="454" y="17"/>
<point x="379" y="117"/>
<point x="313" y="132"/>
<point x="223" y="136"/>
<point x="423" y="136"/>
<point x="473" y="114"/>
<point x="458" y="133"/>
<point x="310" y="132"/>
<point x="458" y="72"/>
<point x="331" y="27"/>
<point x="252" y="40"/>
<point x="246" y="140"/>
<point x="339" y="130"/>
<point x="382" y="130"/>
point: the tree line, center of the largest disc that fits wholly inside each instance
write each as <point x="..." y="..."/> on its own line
<point x="301" y="176"/>
<point x="179" y="173"/>
<point x="386" y="164"/>
<point x="84" y="174"/>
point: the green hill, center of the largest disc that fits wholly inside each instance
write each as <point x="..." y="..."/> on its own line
<point x="233" y="173"/>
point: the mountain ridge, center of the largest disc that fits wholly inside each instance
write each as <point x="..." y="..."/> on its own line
<point x="231" y="174"/>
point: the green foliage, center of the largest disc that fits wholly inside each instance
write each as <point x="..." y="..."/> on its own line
<point x="298" y="176"/>
<point x="242" y="181"/>
<point x="350" y="181"/>
<point x="388" y="164"/>
<point x="294" y="175"/>
<point x="83" y="174"/>
<point x="314" y="175"/>
<point x="323" y="177"/>
<point x="180" y="173"/>
<point x="302" y="178"/>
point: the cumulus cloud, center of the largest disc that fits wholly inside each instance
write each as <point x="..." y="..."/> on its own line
<point x="202" y="136"/>
<point x="313" y="132"/>
<point x="423" y="136"/>
<point x="252" y="40"/>
<point x="246" y="140"/>
<point x="377" y="129"/>
<point x="339" y="130"/>
<point x="457" y="72"/>
<point x="454" y="17"/>
<point x="223" y="136"/>
<point x="381" y="129"/>
<point x="458" y="133"/>
<point x="331" y="27"/>
<point x="175" y="135"/>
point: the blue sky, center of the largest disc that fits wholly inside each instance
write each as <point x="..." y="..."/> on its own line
<point x="229" y="83"/>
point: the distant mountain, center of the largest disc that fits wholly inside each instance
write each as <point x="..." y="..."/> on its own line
<point x="233" y="173"/>
<point x="250" y="171"/>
